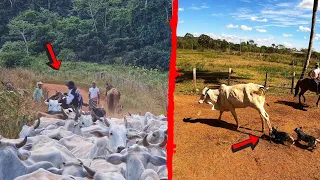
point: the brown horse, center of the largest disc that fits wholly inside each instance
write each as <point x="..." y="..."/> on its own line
<point x="113" y="98"/>
<point x="305" y="85"/>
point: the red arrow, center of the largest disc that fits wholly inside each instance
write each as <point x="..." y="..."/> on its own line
<point x="54" y="63"/>
<point x="253" y="141"/>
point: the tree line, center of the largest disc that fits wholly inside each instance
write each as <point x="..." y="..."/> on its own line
<point x="206" y="42"/>
<point x="127" y="32"/>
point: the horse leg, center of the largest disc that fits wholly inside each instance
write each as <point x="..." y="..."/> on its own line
<point x="221" y="115"/>
<point x="302" y="94"/>
<point x="318" y="101"/>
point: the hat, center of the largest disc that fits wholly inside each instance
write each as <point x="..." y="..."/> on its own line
<point x="70" y="84"/>
<point x="316" y="64"/>
<point x="38" y="83"/>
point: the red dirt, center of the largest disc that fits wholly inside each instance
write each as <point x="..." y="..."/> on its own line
<point x="62" y="88"/>
<point x="204" y="147"/>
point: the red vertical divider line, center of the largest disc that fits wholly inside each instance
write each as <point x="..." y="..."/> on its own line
<point x="172" y="76"/>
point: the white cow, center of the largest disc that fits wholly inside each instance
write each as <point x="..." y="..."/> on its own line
<point x="136" y="158"/>
<point x="11" y="166"/>
<point x="30" y="130"/>
<point x="228" y="98"/>
<point x="46" y="175"/>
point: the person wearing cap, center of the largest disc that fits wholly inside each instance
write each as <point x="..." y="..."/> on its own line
<point x="38" y="93"/>
<point x="314" y="74"/>
<point x="94" y="96"/>
<point x="74" y="97"/>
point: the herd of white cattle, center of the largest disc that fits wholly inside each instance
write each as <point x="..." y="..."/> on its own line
<point x="131" y="148"/>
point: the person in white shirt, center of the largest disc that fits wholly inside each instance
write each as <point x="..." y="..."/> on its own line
<point x="94" y="96"/>
<point x="314" y="74"/>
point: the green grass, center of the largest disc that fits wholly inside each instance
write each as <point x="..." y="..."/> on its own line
<point x="247" y="67"/>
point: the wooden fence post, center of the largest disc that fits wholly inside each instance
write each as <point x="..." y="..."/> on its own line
<point x="266" y="80"/>
<point x="229" y="75"/>
<point x="292" y="82"/>
<point x="195" y="78"/>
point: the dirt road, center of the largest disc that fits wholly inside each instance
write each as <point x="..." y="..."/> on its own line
<point x="204" y="144"/>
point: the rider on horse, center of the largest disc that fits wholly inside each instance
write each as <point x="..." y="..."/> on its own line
<point x="314" y="74"/>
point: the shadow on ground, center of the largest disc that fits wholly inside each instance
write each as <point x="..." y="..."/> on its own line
<point x="217" y="123"/>
<point x="294" y="105"/>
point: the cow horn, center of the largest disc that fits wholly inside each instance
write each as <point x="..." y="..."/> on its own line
<point x="164" y="142"/>
<point x="19" y="145"/>
<point x="90" y="171"/>
<point x="129" y="114"/>
<point x="145" y="141"/>
<point x="105" y="120"/>
<point x="125" y="122"/>
<point x="37" y="124"/>
<point x="166" y="131"/>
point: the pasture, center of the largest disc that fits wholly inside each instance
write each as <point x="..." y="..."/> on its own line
<point x="248" y="67"/>
<point x="204" y="143"/>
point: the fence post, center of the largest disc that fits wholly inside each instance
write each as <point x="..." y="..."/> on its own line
<point x="266" y="80"/>
<point x="195" y="78"/>
<point x="292" y="82"/>
<point x="229" y="75"/>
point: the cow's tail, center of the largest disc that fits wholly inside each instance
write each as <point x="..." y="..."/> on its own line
<point x="296" y="89"/>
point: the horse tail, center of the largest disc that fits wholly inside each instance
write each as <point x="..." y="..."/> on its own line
<point x="296" y="89"/>
<point x="111" y="102"/>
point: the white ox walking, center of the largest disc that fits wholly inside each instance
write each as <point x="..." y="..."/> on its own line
<point x="228" y="98"/>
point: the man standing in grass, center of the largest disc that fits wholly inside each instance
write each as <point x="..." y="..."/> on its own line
<point x="38" y="93"/>
<point x="94" y="96"/>
<point x="315" y="75"/>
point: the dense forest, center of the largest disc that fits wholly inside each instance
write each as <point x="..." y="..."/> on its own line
<point x="206" y="42"/>
<point x="126" y="32"/>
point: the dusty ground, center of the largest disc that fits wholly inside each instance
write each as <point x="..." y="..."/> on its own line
<point x="84" y="92"/>
<point x="204" y="145"/>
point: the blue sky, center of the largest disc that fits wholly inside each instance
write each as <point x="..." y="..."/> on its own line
<point x="265" y="21"/>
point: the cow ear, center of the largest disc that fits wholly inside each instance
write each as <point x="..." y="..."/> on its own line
<point x="116" y="159"/>
<point x="157" y="160"/>
<point x="97" y="133"/>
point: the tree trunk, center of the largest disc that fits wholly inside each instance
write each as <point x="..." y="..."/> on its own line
<point x="314" y="16"/>
<point x="25" y="42"/>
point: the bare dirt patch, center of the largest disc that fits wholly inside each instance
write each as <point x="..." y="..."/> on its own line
<point x="204" y="144"/>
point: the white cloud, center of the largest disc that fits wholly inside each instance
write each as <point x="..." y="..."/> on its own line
<point x="259" y="20"/>
<point x="306" y="4"/>
<point x="216" y="14"/>
<point x="245" y="28"/>
<point x="286" y="35"/>
<point x="305" y="37"/>
<point x="261" y="30"/>
<point x="317" y="36"/>
<point x="303" y="29"/>
<point x="262" y="20"/>
<point x="284" y="4"/>
<point x="203" y="6"/>
<point x="265" y="41"/>
<point x="181" y="9"/>
<point x="181" y="22"/>
<point x="287" y="45"/>
<point x="231" y="26"/>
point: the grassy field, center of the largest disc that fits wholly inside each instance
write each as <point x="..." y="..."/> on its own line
<point x="141" y="89"/>
<point x="247" y="67"/>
